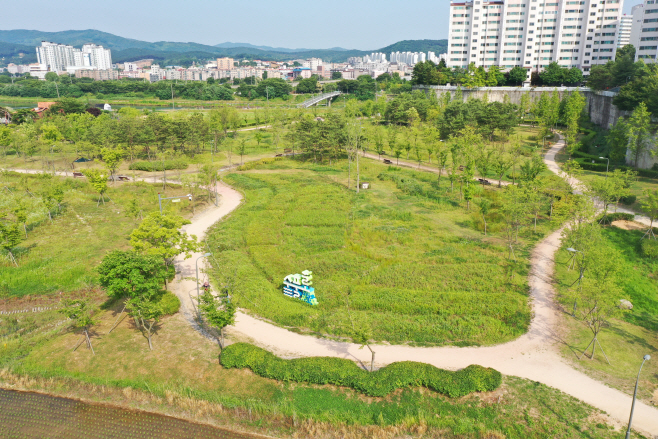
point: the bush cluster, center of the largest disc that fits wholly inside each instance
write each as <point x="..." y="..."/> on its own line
<point x="256" y="163"/>
<point x="170" y="303"/>
<point x="342" y="372"/>
<point x="601" y="166"/>
<point x="650" y="248"/>
<point x="158" y="165"/>
<point x="628" y="200"/>
<point x="619" y="216"/>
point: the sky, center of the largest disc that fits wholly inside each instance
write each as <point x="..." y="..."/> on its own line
<point x="351" y="24"/>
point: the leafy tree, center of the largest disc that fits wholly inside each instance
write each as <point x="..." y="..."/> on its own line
<point x="485" y="207"/>
<point x="127" y="274"/>
<point x="82" y="315"/>
<point x="218" y="311"/>
<point x="146" y="311"/>
<point x="517" y="75"/>
<point x="638" y="130"/>
<point x="308" y="85"/>
<point x="10" y="237"/>
<point x="513" y="210"/>
<point x="159" y="235"/>
<point x="501" y="163"/>
<point x="20" y="212"/>
<point x="112" y="159"/>
<point x="553" y="74"/>
<point x="601" y="77"/>
<point x="98" y="181"/>
<point x="52" y="77"/>
<point x="336" y="75"/>
<point x="606" y="191"/>
<point x="531" y="169"/>
<point x="650" y="207"/>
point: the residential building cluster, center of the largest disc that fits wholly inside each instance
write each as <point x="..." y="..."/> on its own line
<point x="644" y="31"/>
<point x="61" y="58"/>
<point x="402" y="63"/>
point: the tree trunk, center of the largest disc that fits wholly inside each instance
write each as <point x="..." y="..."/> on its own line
<point x="89" y="342"/>
<point x="372" y="359"/>
<point x="485" y="224"/>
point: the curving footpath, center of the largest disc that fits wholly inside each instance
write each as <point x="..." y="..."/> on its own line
<point x="534" y="355"/>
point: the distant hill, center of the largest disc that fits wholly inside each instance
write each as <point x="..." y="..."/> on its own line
<point x="436" y="46"/>
<point x="229" y="45"/>
<point x="175" y="53"/>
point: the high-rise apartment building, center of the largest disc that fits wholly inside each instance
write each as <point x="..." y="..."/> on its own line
<point x="225" y="64"/>
<point x="624" y="33"/>
<point x="533" y="33"/>
<point x="644" y="34"/>
<point x="61" y="58"/>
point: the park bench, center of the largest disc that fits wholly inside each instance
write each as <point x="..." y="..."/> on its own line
<point x="387" y="162"/>
<point x="279" y="155"/>
<point x="78" y="174"/>
<point x="483" y="181"/>
<point x="123" y="178"/>
<point x="287" y="151"/>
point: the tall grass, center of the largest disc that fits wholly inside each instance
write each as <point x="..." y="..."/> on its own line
<point x="411" y="265"/>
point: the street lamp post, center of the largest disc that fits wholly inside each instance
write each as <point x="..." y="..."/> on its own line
<point x="160" y="199"/>
<point x="607" y="168"/>
<point x="630" y="420"/>
<point x="205" y="255"/>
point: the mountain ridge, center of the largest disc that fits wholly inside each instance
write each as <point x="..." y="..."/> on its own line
<point x="123" y="49"/>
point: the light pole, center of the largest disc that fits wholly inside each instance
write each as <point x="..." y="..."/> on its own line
<point x="160" y="199"/>
<point x="205" y="255"/>
<point x="630" y="420"/>
<point x="607" y="167"/>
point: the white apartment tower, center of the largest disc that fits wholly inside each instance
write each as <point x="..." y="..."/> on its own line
<point x="60" y="57"/>
<point x="624" y="33"/>
<point x="533" y="33"/>
<point x="644" y="34"/>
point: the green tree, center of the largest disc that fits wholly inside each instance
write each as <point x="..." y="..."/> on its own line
<point x="10" y="237"/>
<point x="81" y="313"/>
<point x="98" y="181"/>
<point x="20" y="212"/>
<point x="127" y="274"/>
<point x="553" y="74"/>
<point x="112" y="159"/>
<point x="159" y="235"/>
<point x="517" y="75"/>
<point x="650" y="206"/>
<point x="218" y="311"/>
<point x="146" y="311"/>
<point x="485" y="207"/>
<point x="638" y="126"/>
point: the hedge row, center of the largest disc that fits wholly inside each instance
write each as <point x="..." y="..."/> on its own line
<point x="586" y="163"/>
<point x="650" y="248"/>
<point x="342" y="372"/>
<point x="619" y="216"/>
<point x="158" y="165"/>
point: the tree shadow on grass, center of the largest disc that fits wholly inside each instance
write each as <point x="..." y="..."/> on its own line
<point x="632" y="339"/>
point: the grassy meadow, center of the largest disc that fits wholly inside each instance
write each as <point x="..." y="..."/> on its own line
<point x="627" y="339"/>
<point x="404" y="258"/>
<point x="60" y="255"/>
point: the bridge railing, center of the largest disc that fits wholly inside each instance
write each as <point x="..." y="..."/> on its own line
<point x="320" y="98"/>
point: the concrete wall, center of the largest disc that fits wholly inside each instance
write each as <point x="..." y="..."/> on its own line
<point x="599" y="104"/>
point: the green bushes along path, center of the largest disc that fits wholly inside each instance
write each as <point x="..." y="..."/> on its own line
<point x="342" y="372"/>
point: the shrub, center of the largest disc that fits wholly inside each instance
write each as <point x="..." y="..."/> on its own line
<point x="170" y="303"/>
<point x="342" y="372"/>
<point x="628" y="200"/>
<point x="619" y="216"/>
<point x="256" y="163"/>
<point x="158" y="165"/>
<point x="650" y="248"/>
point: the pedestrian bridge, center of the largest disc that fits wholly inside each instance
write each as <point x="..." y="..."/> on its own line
<point x="320" y="98"/>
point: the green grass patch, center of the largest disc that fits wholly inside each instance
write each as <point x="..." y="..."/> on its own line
<point x="411" y="264"/>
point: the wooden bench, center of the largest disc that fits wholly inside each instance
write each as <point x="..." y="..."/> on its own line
<point x="123" y="178"/>
<point x="279" y="155"/>
<point x="78" y="174"/>
<point x="287" y="151"/>
<point x="483" y="181"/>
<point x="387" y="162"/>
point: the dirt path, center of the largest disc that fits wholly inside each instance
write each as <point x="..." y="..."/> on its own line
<point x="533" y="356"/>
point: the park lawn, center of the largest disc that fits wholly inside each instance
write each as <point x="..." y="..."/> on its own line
<point x="415" y="268"/>
<point x="61" y="255"/>
<point x="182" y="376"/>
<point x="637" y="187"/>
<point x="629" y="338"/>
